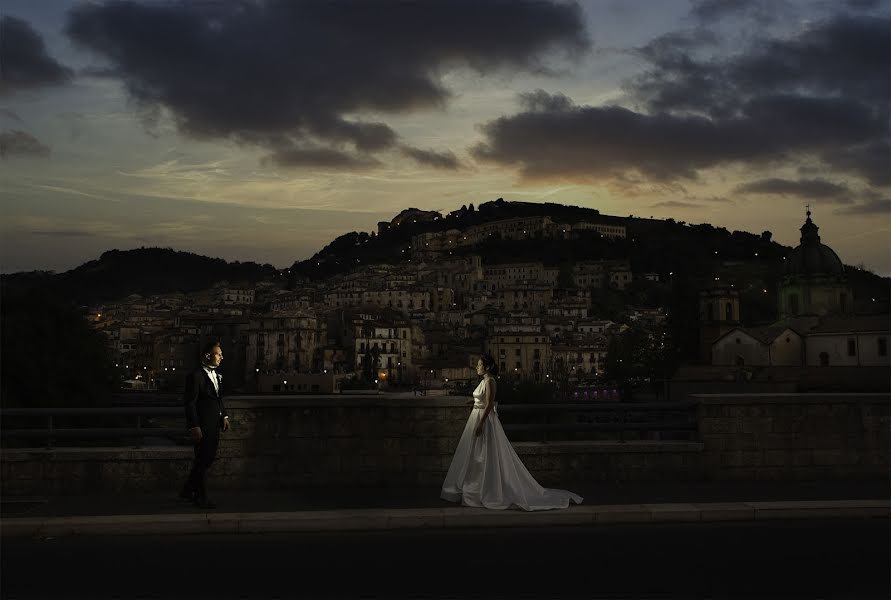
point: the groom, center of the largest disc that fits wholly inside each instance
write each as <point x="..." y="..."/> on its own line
<point x="205" y="418"/>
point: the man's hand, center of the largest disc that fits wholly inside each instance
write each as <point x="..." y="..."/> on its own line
<point x="196" y="435"/>
<point x="225" y="423"/>
<point x="479" y="429"/>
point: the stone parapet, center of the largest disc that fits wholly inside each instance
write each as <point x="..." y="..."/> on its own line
<point x="794" y="436"/>
<point x="282" y="443"/>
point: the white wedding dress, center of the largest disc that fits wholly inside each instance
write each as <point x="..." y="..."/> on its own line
<point x="486" y="471"/>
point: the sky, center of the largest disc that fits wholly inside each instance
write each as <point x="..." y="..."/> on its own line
<point x="260" y="130"/>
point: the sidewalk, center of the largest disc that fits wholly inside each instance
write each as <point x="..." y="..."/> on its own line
<point x="401" y="508"/>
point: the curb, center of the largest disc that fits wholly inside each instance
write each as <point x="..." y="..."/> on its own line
<point x="377" y="519"/>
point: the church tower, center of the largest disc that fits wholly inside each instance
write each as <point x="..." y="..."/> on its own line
<point x="718" y="314"/>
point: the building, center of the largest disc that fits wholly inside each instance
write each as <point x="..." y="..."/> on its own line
<point x="612" y="230"/>
<point x="231" y="295"/>
<point x="284" y="342"/>
<point x="297" y="383"/>
<point x="614" y="274"/>
<point x="814" y="280"/>
<point x="530" y="298"/>
<point x="849" y="341"/>
<point x="758" y="347"/>
<point x="520" y="351"/>
<point x="383" y="346"/>
<point x="496" y="276"/>
<point x="431" y="244"/>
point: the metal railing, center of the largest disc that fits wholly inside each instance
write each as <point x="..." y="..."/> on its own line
<point x="621" y="417"/>
<point x="142" y="427"/>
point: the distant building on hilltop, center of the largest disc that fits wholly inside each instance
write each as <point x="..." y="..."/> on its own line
<point x="409" y="215"/>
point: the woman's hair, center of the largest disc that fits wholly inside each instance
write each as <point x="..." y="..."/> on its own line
<point x="489" y="364"/>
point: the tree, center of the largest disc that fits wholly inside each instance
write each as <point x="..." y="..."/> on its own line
<point x="50" y="354"/>
<point x="766" y="236"/>
<point x="614" y="364"/>
<point x="565" y="277"/>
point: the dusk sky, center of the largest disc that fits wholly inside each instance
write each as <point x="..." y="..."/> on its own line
<point x="260" y="130"/>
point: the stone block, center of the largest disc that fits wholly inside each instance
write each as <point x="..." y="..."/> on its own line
<point x="673" y="512"/>
<point x="231" y="447"/>
<point x="714" y="441"/>
<point x="778" y="441"/>
<point x="717" y="426"/>
<point x="731" y="473"/>
<point x="741" y="441"/>
<point x="780" y="424"/>
<point x="622" y="513"/>
<point x="26" y="470"/>
<point x="732" y="458"/>
<point x="710" y="411"/>
<point x="777" y="458"/>
<point x="830" y="457"/>
<point x="725" y="511"/>
<point x="756" y="425"/>
<point x="664" y="461"/>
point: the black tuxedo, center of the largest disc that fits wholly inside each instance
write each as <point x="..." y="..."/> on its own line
<point x="204" y="408"/>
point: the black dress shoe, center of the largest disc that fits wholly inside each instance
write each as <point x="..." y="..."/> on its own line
<point x="189" y="495"/>
<point x="205" y="503"/>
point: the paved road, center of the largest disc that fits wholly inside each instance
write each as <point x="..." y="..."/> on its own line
<point x="782" y="559"/>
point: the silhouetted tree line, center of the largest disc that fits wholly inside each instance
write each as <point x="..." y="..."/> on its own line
<point x="145" y="271"/>
<point x="49" y="355"/>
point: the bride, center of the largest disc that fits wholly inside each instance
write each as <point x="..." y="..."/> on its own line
<point x="485" y="470"/>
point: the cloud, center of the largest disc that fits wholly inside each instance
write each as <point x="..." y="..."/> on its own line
<point x="761" y="11"/>
<point x="5" y="112"/>
<point x="675" y="204"/>
<point x="843" y="56"/>
<point x="821" y="93"/>
<point x="25" y="62"/>
<point x="863" y="4"/>
<point x="325" y="158"/>
<point x="877" y="206"/>
<point x="591" y="143"/>
<point x="439" y="160"/>
<point x="20" y="143"/>
<point x="65" y="233"/>
<point x="870" y="161"/>
<point x="804" y="188"/>
<point x="256" y="72"/>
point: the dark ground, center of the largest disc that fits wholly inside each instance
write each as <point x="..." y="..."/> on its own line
<point x="775" y="559"/>
<point x="330" y="498"/>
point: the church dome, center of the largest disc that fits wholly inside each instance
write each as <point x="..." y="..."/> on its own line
<point x="811" y="258"/>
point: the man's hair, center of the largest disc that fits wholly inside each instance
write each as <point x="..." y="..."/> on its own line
<point x="208" y="347"/>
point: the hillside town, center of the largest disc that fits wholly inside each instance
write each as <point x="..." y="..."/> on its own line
<point x="421" y="322"/>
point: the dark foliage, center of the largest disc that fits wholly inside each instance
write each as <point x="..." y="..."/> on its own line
<point x="50" y="355"/>
<point x="119" y="273"/>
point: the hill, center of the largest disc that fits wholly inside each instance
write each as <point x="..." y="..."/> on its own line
<point x="145" y="271"/>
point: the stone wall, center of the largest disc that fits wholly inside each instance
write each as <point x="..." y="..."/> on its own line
<point x="59" y="471"/>
<point x="292" y="442"/>
<point x="340" y="441"/>
<point x="794" y="436"/>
